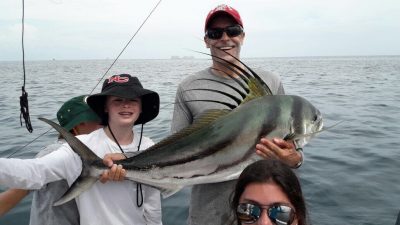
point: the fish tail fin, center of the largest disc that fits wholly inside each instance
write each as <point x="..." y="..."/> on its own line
<point x="84" y="181"/>
<point x="77" y="146"/>
<point x="81" y="184"/>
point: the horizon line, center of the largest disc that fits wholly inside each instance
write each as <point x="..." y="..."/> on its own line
<point x="199" y="58"/>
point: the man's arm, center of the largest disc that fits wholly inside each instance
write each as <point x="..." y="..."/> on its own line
<point x="10" y="198"/>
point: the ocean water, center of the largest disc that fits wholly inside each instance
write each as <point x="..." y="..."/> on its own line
<point x="351" y="173"/>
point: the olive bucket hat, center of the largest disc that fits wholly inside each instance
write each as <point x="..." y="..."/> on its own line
<point x="126" y="86"/>
<point x="76" y="111"/>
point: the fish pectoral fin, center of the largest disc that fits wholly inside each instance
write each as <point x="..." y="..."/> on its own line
<point x="290" y="136"/>
<point x="80" y="185"/>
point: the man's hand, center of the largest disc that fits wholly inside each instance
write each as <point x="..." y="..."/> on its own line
<point x="116" y="172"/>
<point x="279" y="149"/>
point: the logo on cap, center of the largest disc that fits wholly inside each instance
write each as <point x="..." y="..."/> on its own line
<point x="118" y="79"/>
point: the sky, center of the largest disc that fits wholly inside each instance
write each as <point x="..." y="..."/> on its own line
<point x="99" y="29"/>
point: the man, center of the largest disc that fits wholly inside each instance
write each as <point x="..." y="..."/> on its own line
<point x="223" y="34"/>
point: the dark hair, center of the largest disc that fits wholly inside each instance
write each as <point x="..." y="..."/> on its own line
<point x="104" y="119"/>
<point x="272" y="170"/>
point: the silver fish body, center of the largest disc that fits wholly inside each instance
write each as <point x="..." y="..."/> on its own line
<point x="219" y="151"/>
<point x="217" y="146"/>
<point x="215" y="151"/>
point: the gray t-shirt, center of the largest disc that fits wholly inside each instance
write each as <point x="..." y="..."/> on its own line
<point x="42" y="210"/>
<point x="209" y="204"/>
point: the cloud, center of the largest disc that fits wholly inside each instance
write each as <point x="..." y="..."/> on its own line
<point x="100" y="28"/>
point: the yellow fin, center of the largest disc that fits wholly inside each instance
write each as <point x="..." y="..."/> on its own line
<point x="256" y="90"/>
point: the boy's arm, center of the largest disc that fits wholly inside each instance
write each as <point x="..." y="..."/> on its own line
<point x="34" y="173"/>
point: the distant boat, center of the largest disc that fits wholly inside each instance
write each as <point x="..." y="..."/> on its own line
<point x="183" y="57"/>
<point x="187" y="57"/>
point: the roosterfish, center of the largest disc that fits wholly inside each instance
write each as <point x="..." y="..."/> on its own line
<point x="216" y="147"/>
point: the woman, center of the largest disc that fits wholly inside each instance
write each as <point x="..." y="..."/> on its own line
<point x="122" y="103"/>
<point x="268" y="192"/>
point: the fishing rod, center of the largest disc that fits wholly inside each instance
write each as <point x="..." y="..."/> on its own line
<point x="139" y="192"/>
<point x="130" y="40"/>
<point x="133" y="36"/>
<point x="41" y="135"/>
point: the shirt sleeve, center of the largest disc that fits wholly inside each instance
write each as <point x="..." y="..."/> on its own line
<point x="181" y="117"/>
<point x="152" y="205"/>
<point x="34" y="173"/>
<point x="48" y="149"/>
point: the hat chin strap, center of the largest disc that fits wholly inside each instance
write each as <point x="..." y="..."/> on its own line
<point x="139" y="191"/>
<point x="115" y="139"/>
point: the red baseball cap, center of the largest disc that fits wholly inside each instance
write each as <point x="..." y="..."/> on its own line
<point x="223" y="9"/>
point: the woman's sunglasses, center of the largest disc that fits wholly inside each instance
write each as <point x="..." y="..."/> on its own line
<point x="231" y="31"/>
<point x="278" y="213"/>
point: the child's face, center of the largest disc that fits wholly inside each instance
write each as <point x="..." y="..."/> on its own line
<point x="86" y="127"/>
<point x="123" y="111"/>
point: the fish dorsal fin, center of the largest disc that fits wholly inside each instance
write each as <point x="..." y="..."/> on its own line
<point x="241" y="72"/>
<point x="209" y="116"/>
<point x="256" y="90"/>
<point x="203" y="120"/>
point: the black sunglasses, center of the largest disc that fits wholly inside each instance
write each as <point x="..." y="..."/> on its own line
<point x="278" y="213"/>
<point x="231" y="31"/>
